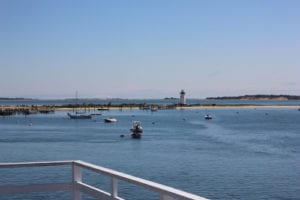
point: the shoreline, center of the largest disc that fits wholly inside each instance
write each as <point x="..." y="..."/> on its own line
<point x="138" y="107"/>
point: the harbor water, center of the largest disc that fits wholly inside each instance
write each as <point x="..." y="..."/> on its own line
<point x="242" y="153"/>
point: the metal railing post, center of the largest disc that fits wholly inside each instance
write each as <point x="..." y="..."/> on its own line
<point x="165" y="197"/>
<point x="76" y="172"/>
<point x="114" y="187"/>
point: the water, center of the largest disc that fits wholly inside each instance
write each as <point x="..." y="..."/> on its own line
<point x="241" y="153"/>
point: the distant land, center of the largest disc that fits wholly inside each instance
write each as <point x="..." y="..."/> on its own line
<point x="14" y="99"/>
<point x="243" y="97"/>
<point x="257" y="97"/>
<point x="170" y="98"/>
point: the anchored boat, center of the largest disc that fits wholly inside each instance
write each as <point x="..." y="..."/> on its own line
<point x="207" y="117"/>
<point x="110" y="120"/>
<point x="136" y="130"/>
<point x="79" y="116"/>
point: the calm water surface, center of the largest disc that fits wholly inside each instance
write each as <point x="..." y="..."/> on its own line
<point x="240" y="154"/>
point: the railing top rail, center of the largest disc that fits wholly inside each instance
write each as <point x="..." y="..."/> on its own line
<point x="35" y="164"/>
<point x="139" y="181"/>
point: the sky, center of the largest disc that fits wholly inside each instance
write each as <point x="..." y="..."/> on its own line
<point x="149" y="48"/>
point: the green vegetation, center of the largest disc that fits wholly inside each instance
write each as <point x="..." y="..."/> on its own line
<point x="257" y="97"/>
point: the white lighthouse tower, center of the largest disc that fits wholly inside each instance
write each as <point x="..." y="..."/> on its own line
<point x="182" y="99"/>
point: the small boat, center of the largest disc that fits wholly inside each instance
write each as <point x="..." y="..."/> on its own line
<point x="7" y="112"/>
<point x="29" y="112"/>
<point x="110" y="120"/>
<point x="79" y="116"/>
<point x="103" y="109"/>
<point x="136" y="129"/>
<point x="154" y="109"/>
<point x="207" y="116"/>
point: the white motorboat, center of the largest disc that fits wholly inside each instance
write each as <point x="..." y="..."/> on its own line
<point x="110" y="120"/>
<point x="207" y="116"/>
<point x="136" y="129"/>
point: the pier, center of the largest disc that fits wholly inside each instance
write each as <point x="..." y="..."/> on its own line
<point x="78" y="187"/>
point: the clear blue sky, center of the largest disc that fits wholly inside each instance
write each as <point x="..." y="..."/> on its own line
<point x="149" y="48"/>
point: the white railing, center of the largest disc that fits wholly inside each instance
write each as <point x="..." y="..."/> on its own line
<point x="77" y="186"/>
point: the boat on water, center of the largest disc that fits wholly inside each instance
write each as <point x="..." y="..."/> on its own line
<point x="79" y="116"/>
<point x="207" y="117"/>
<point x="103" y="109"/>
<point x="136" y="130"/>
<point x="29" y="111"/>
<point x="7" y="112"/>
<point x="154" y="109"/>
<point x="110" y="120"/>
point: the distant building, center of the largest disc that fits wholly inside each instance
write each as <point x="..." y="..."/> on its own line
<point x="182" y="99"/>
